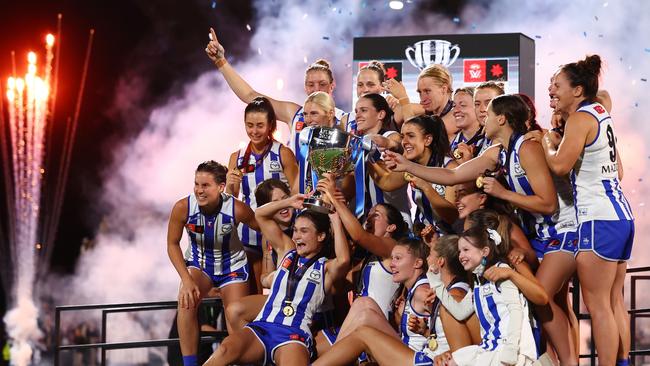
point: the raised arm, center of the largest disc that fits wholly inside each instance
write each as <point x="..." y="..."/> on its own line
<point x="338" y="266"/>
<point x="377" y="245"/>
<point x="280" y="241"/>
<point x="234" y="176"/>
<point x="290" y="168"/>
<point x="284" y="110"/>
<point x="463" y="173"/>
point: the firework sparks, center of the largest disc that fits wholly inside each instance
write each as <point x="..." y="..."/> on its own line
<point x="28" y="110"/>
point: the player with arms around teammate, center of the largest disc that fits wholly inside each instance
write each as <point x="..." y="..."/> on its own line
<point x="605" y="221"/>
<point x="215" y="256"/>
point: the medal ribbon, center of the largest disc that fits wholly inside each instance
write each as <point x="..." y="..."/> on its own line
<point x="245" y="165"/>
<point x="295" y="275"/>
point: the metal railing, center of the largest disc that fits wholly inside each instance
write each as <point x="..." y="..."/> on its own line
<point x="634" y="314"/>
<point x="209" y="337"/>
<point x="206" y="337"/>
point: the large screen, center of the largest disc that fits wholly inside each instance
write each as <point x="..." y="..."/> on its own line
<point x="507" y="58"/>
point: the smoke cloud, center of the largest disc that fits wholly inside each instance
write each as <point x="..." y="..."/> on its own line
<point x="204" y="120"/>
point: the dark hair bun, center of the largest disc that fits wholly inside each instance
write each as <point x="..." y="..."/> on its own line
<point x="591" y="64"/>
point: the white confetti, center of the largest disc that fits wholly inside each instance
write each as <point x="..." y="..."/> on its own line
<point x="248" y="27"/>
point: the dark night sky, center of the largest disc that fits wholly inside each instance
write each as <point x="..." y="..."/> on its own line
<point x="158" y="42"/>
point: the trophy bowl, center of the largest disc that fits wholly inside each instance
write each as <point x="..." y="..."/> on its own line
<point x="332" y="151"/>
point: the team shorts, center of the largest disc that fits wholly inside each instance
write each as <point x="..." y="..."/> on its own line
<point x="331" y="333"/>
<point x="273" y="336"/>
<point x="562" y="242"/>
<point x="610" y="240"/>
<point x="422" y="359"/>
<point x="238" y="276"/>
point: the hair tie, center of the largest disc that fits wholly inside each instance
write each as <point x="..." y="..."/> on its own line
<point x="494" y="236"/>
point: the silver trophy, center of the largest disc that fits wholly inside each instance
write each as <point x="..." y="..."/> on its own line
<point x="332" y="151"/>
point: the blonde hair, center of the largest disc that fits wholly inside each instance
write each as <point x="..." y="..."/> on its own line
<point x="438" y="73"/>
<point x="323" y="100"/>
<point x="320" y="65"/>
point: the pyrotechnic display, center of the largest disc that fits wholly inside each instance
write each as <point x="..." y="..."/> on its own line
<point x="28" y="104"/>
<point x="324" y="183"/>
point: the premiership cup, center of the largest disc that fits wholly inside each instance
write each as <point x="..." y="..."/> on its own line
<point x="332" y="151"/>
<point x="432" y="51"/>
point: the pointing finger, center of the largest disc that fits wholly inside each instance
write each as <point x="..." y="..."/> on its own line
<point x="213" y="35"/>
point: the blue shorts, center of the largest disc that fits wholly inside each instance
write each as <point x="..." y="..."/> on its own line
<point x="421" y="359"/>
<point x="273" y="336"/>
<point x="331" y="333"/>
<point x="562" y="242"/>
<point x="219" y="281"/>
<point x="610" y="240"/>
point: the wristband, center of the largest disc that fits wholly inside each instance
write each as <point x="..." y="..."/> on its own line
<point x="220" y="62"/>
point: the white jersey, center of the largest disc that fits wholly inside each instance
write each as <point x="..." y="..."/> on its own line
<point x="269" y="167"/>
<point x="214" y="243"/>
<point x="598" y="191"/>
<point x="443" y="344"/>
<point x="478" y="143"/>
<point x="415" y="341"/>
<point x="424" y="213"/>
<point x="544" y="225"/>
<point x="302" y="152"/>
<point x="377" y="283"/>
<point x="494" y="318"/>
<point x="308" y="297"/>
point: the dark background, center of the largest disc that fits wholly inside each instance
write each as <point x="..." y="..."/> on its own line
<point x="155" y="46"/>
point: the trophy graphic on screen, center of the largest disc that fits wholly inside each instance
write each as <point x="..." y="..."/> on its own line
<point x="432" y="51"/>
<point x="332" y="151"/>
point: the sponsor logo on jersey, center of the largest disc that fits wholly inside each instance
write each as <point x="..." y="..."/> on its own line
<point x="300" y="125"/>
<point x="226" y="228"/>
<point x="274" y="166"/>
<point x="314" y="274"/>
<point x="286" y="263"/>
<point x="197" y="229"/>
<point x="599" y="109"/>
<point x="518" y="170"/>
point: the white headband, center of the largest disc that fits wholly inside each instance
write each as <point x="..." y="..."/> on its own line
<point x="494" y="235"/>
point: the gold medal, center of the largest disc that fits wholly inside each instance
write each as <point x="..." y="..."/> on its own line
<point x="432" y="343"/>
<point x="287" y="310"/>
<point x="457" y="154"/>
<point x="408" y="177"/>
<point x="479" y="182"/>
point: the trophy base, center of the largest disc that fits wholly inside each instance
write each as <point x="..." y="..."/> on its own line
<point x="318" y="205"/>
